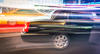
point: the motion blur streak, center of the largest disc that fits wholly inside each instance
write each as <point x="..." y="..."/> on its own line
<point x="65" y="14"/>
<point x="13" y="42"/>
<point x="7" y="35"/>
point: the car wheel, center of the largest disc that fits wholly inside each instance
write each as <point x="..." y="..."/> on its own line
<point x="60" y="41"/>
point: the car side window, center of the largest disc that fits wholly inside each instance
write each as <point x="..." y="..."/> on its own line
<point x="60" y="15"/>
<point x="7" y="10"/>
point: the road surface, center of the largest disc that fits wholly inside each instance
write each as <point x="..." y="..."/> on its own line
<point x="13" y="44"/>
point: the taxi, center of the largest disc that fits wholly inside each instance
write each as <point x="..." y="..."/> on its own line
<point x="13" y="20"/>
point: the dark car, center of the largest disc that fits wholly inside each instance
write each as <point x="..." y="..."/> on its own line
<point x="60" y="26"/>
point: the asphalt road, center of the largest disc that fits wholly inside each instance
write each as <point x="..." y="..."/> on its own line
<point x="15" y="45"/>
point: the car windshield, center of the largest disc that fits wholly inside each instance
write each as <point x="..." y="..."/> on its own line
<point x="22" y="11"/>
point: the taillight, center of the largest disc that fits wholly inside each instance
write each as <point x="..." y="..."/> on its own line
<point x="26" y="27"/>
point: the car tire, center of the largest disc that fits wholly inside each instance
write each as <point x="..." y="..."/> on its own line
<point x="60" y="41"/>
